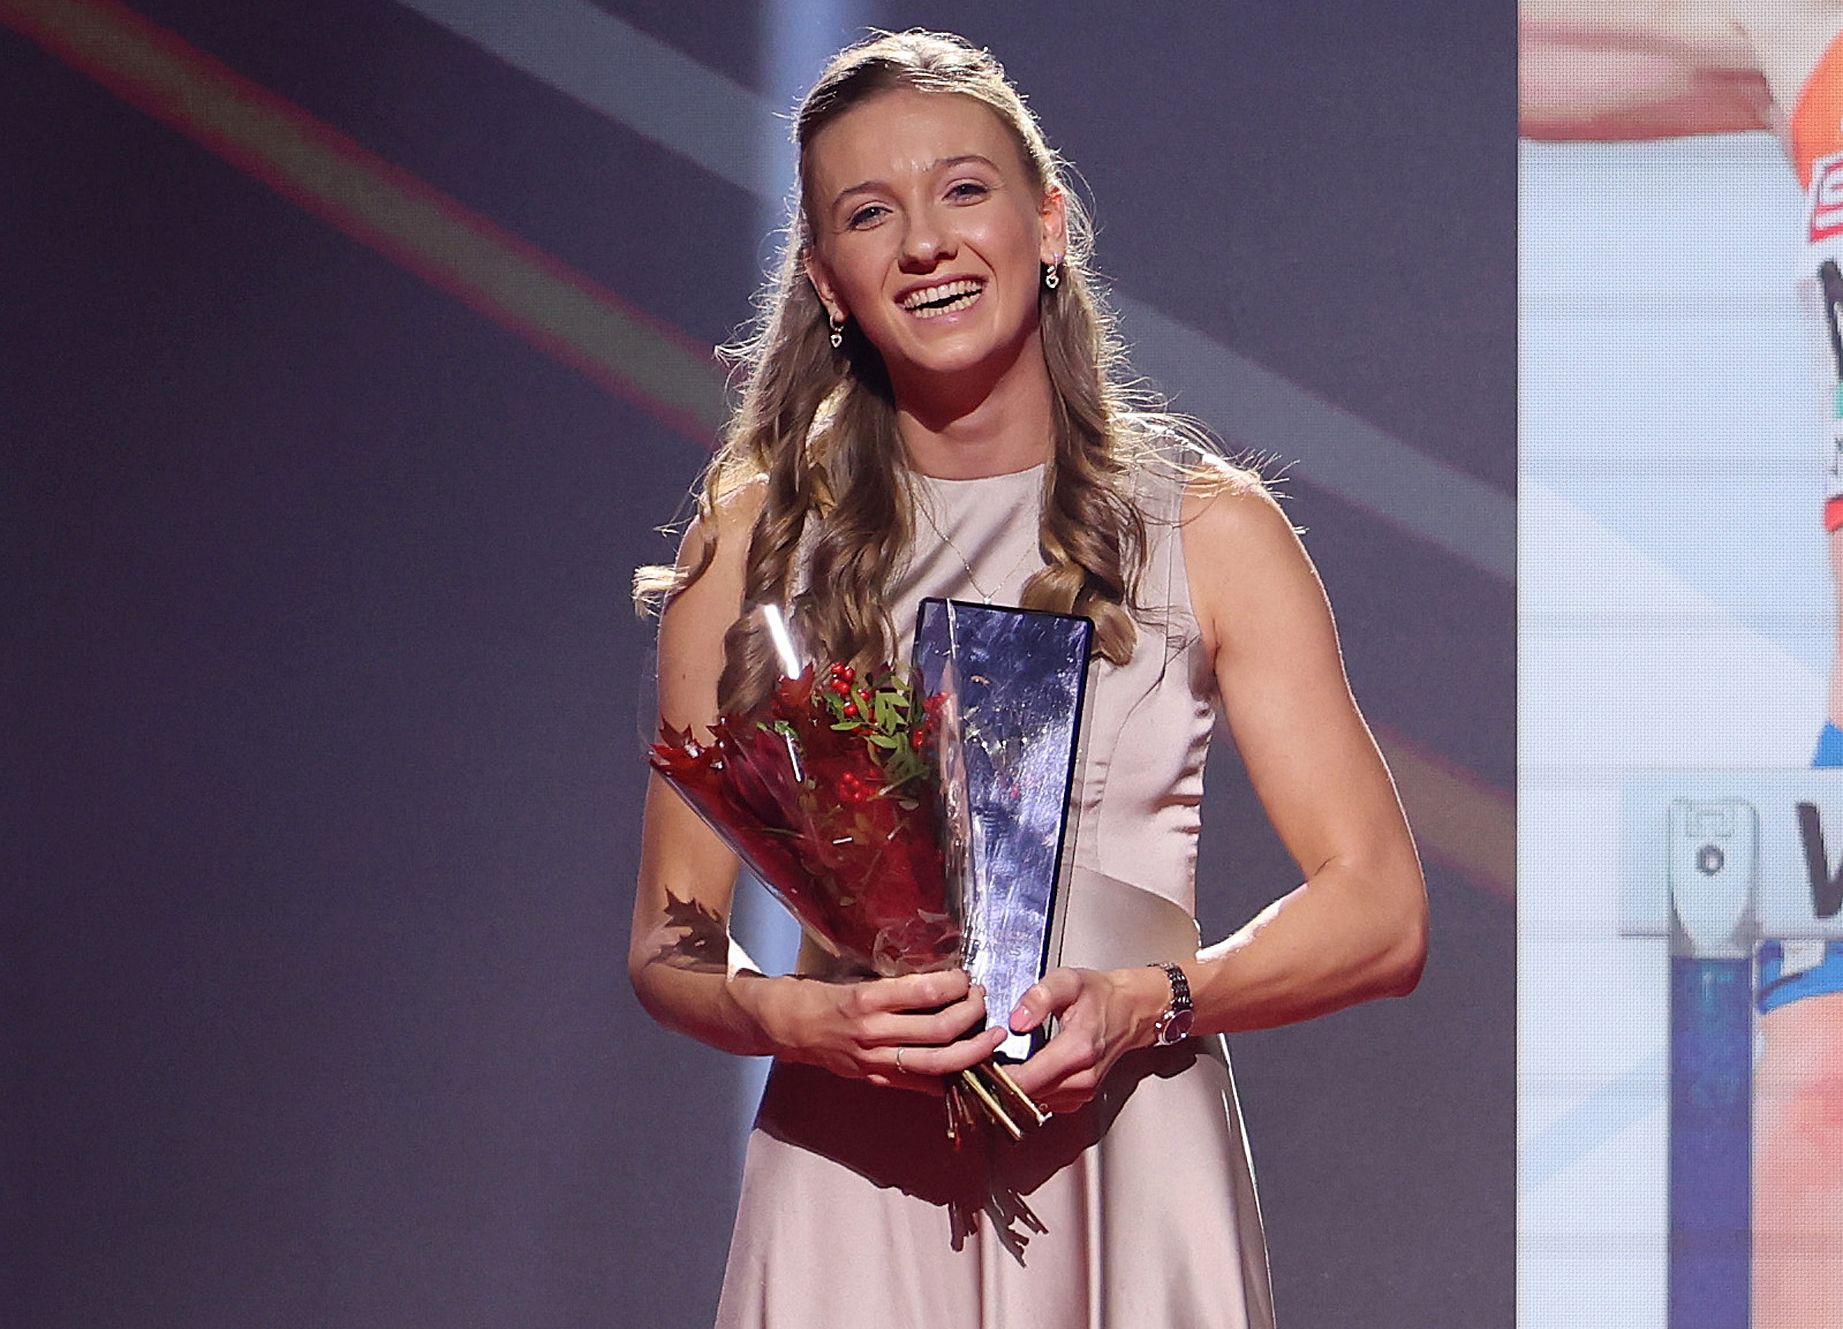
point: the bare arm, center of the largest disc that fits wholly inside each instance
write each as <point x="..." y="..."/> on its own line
<point x="1357" y="928"/>
<point x="686" y="970"/>
<point x="1636" y="69"/>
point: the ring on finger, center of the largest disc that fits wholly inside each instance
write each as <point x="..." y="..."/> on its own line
<point x="899" y="1069"/>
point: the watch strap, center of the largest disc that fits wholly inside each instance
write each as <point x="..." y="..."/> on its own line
<point x="1179" y="1005"/>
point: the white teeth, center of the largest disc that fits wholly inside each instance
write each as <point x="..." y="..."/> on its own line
<point x="966" y="291"/>
<point x="953" y="306"/>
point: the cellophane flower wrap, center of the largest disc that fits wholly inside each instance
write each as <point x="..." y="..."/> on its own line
<point x="831" y="790"/>
<point x="827" y="790"/>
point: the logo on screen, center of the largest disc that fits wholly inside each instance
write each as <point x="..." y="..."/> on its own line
<point x="1826" y="886"/>
<point x="1827" y="197"/>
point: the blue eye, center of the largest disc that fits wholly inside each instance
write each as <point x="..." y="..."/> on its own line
<point x="864" y="213"/>
<point x="977" y="190"/>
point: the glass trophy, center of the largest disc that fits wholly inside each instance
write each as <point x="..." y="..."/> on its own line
<point x="1014" y="683"/>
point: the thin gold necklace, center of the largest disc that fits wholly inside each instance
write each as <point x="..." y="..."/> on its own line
<point x="985" y="596"/>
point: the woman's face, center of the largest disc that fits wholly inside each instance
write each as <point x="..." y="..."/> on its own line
<point x="928" y="231"/>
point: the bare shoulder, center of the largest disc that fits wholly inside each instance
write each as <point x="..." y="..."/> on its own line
<point x="1250" y="576"/>
<point x="696" y="618"/>
<point x="1234" y="529"/>
<point x="1228" y="509"/>
<point x="730" y="521"/>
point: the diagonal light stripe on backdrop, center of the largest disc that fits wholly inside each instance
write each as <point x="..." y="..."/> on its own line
<point x="1464" y="821"/>
<point x="667" y="97"/>
<point x="1622" y="1101"/>
<point x="1459" y="818"/>
<point x="313" y="164"/>
<point x="1339" y="452"/>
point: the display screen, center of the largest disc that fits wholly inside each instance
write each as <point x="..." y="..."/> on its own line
<point x="1680" y="1152"/>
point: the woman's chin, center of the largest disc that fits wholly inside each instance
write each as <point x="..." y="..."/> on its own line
<point x="968" y="356"/>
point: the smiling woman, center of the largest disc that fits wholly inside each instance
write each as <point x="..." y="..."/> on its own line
<point x="935" y="402"/>
<point x="937" y="260"/>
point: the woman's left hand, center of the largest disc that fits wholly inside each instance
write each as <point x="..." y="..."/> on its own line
<point x="1101" y="1014"/>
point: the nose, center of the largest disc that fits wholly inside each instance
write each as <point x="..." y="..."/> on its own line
<point x="926" y="241"/>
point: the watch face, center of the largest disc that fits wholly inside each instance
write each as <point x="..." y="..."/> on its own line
<point x="1177" y="1027"/>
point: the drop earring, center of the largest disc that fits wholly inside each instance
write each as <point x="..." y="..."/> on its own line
<point x="1052" y="278"/>
<point x="838" y="331"/>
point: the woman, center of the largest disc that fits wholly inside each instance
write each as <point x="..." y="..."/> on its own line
<point x="934" y="406"/>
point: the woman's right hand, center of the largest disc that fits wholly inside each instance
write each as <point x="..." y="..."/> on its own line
<point x="858" y="1029"/>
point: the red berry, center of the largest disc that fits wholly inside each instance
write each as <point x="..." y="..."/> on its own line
<point x="851" y="709"/>
<point x="917" y="738"/>
<point x="847" y="673"/>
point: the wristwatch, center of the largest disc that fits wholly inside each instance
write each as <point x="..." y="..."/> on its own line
<point x="1174" y="1024"/>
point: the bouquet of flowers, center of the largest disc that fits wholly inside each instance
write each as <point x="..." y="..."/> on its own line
<point x="829" y="790"/>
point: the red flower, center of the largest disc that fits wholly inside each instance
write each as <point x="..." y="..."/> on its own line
<point x="851" y="851"/>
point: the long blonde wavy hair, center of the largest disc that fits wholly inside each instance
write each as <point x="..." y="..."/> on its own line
<point x="819" y="424"/>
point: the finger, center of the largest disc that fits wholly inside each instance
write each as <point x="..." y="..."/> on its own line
<point x="933" y="1085"/>
<point x="1075" y="1090"/>
<point x="1064" y="1104"/>
<point x="914" y="991"/>
<point x="1053" y="992"/>
<point x="943" y="1026"/>
<point x="944" y="1061"/>
<point x="1044" y="1075"/>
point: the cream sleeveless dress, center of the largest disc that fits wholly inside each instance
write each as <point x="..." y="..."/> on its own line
<point x="1139" y="1211"/>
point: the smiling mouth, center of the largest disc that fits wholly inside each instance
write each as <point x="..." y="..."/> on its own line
<point x="950" y="299"/>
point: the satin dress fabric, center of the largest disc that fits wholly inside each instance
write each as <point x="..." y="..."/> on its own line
<point x="1139" y="1209"/>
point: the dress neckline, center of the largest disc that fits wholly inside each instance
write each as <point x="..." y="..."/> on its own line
<point x="1028" y="473"/>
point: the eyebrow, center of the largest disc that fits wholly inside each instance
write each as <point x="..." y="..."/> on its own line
<point x="869" y="186"/>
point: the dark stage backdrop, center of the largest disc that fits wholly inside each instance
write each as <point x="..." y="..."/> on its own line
<point x="350" y="354"/>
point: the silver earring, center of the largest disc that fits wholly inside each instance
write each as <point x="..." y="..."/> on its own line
<point x="838" y="331"/>
<point x="1051" y="278"/>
